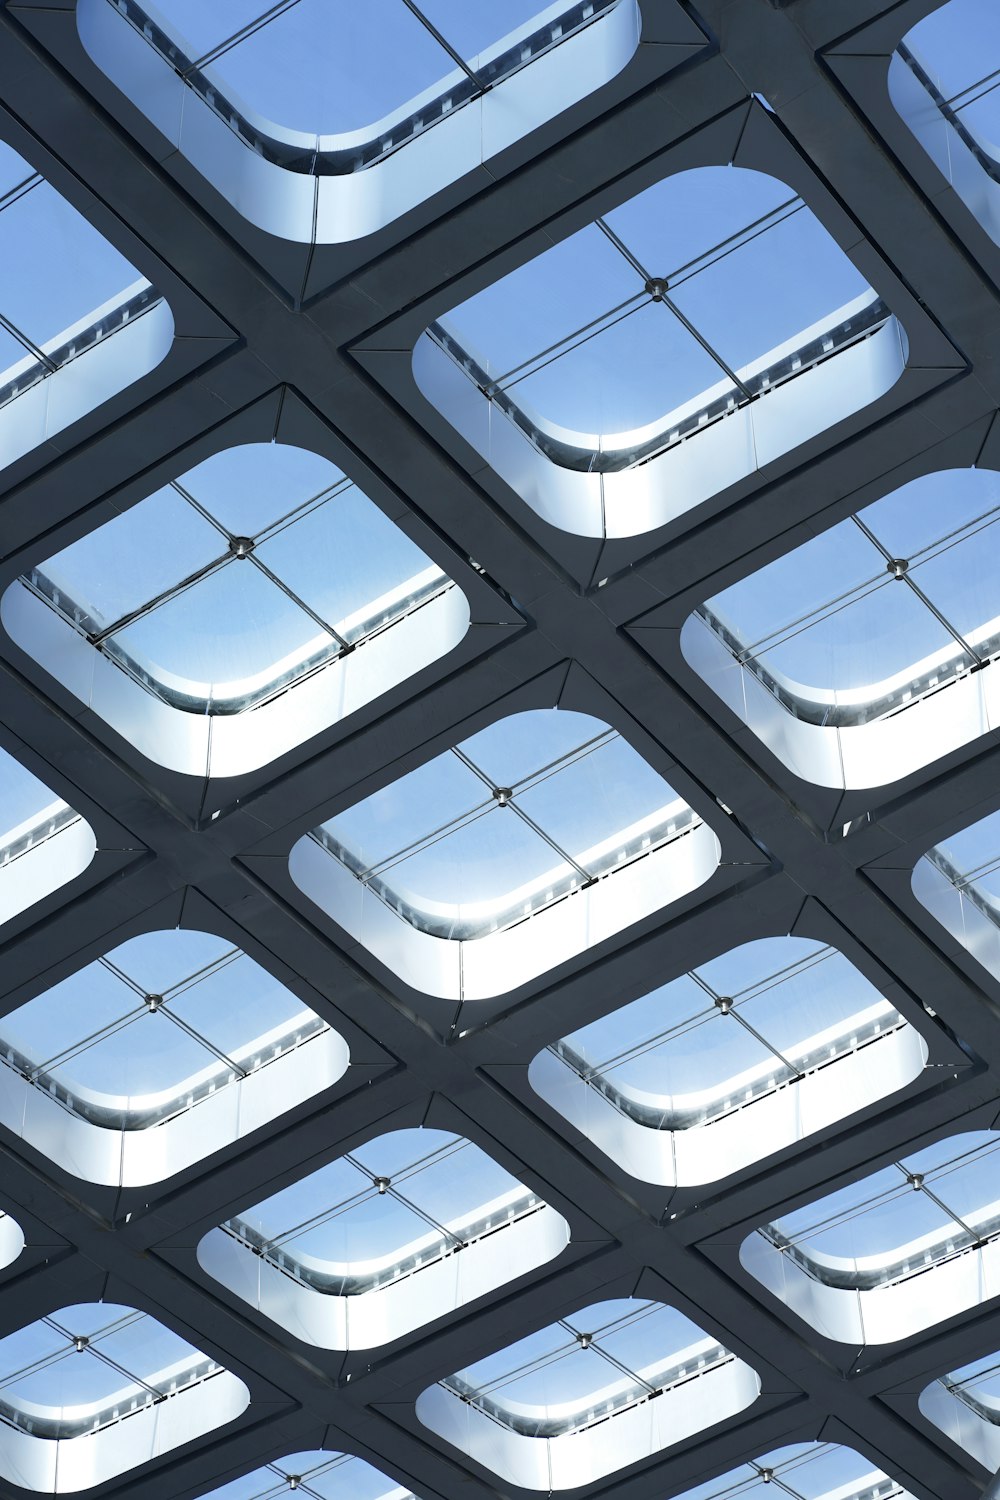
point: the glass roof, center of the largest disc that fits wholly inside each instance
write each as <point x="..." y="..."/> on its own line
<point x="925" y="1208"/>
<point x="378" y="74"/>
<point x="725" y="1034"/>
<point x="978" y="1385"/>
<point x="249" y="572"/>
<point x="46" y="317"/>
<point x="536" y="806"/>
<point x="688" y="301"/>
<point x="970" y="859"/>
<point x="72" y="1372"/>
<point x="889" y="605"/>
<point x="154" y="1027"/>
<point x="802" y="1471"/>
<point x="955" y="50"/>
<point x="29" y="812"/>
<point x="317" y="1475"/>
<point x="575" y="1373"/>
<point x="385" y="1210"/>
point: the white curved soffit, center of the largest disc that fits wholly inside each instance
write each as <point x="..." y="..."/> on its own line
<point x="958" y="912"/>
<point x="638" y="499"/>
<point x="198" y="744"/>
<point x="334" y="209"/>
<point x="479" y="968"/>
<point x="973" y="1425"/>
<point x="46" y="865"/>
<point x="708" y="1151"/>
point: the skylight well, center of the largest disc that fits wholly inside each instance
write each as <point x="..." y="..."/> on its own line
<point x="896" y="1252"/>
<point x="316" y="1474"/>
<point x="403" y="1230"/>
<point x="43" y="844"/>
<point x="803" y="1471"/>
<point x="959" y="884"/>
<point x="235" y="612"/>
<point x="713" y="1071"/>
<point x="868" y="652"/>
<point x="94" y="1390"/>
<point x="172" y="1046"/>
<point x="516" y="849"/>
<point x="943" y="82"/>
<point x="670" y="348"/>
<point x="575" y="1401"/>
<point x="965" y="1404"/>
<point x="326" y="123"/>
<point x="67" y="343"/>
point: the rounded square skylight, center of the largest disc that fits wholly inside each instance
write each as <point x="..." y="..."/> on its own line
<point x="67" y="343"/>
<point x="43" y="842"/>
<point x="958" y="881"/>
<point x="747" y="1054"/>
<point x="253" y="601"/>
<point x="663" y="352"/>
<point x="401" y="1231"/>
<point x="578" y="1400"/>
<point x="92" y="1391"/>
<point x="803" y="1471"/>
<point x="317" y="1475"/>
<point x="170" y="1047"/>
<point x="511" y="852"/>
<point x="324" y="123"/>
<point x="894" y="1253"/>
<point x="838" y="654"/>
<point x="965" y="1404"/>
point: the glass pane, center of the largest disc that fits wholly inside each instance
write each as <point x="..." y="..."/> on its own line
<point x="13" y="169"/>
<point x="250" y="487"/>
<point x="160" y="961"/>
<point x="199" y="27"/>
<point x="472" y="29"/>
<point x="24" y="800"/>
<point x="408" y="810"/>
<point x="516" y="748"/>
<point x="242" y="1010"/>
<point x="69" y="1013"/>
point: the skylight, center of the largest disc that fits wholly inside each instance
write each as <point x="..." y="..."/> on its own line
<point x="894" y="1253"/>
<point x="43" y="842"/>
<point x="317" y="1475"/>
<point x="713" y="1071"/>
<point x="873" y="617"/>
<point x="168" y="1048"/>
<point x="262" y="570"/>
<point x="410" y="96"/>
<point x="588" y="370"/>
<point x="94" y="1390"/>
<point x="943" y="81"/>
<point x="965" y="1404"/>
<point x="403" y="1230"/>
<point x="959" y="883"/>
<point x="49" y="321"/>
<point x="11" y="1240"/>
<point x="536" y="1413"/>
<point x="542" y="818"/>
<point x="803" y="1471"/>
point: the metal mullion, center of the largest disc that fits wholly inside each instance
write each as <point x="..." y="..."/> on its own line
<point x="307" y="508"/>
<point x="434" y="837"/>
<point x="121" y="1370"/>
<point x="736" y="242"/>
<point x="248" y="30"/>
<point x="183" y="985"/>
<point x="618" y="1058"/>
<point x="960" y="640"/>
<point x="21" y="190"/>
<point x="834" y="606"/>
<point x="406" y="1202"/>
<point x="164" y="1010"/>
<point x="137" y="989"/>
<point x="327" y="1214"/>
<point x="571" y="341"/>
<point x="27" y="344"/>
<point x="344" y="644"/>
<point x="99" y="637"/>
<point x="443" y="42"/>
<point x="848" y="1215"/>
<point x="764" y="1042"/>
<point x="780" y="1483"/>
<point x="623" y="1369"/>
<point x="922" y="1187"/>
<point x="85" y="1043"/>
<point x="669" y="303"/>
<point x="540" y="1362"/>
<point x="39" y="1364"/>
<point x="970" y="88"/>
<point x="432" y="1159"/>
<point x="572" y="758"/>
<point x="526" y="818"/>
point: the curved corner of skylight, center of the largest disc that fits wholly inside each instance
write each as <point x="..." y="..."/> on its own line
<point x="404" y="1230"/>
<point x="803" y="1471"/>
<point x="943" y="84"/>
<point x="514" y="851"/>
<point x="667" y="350"/>
<point x="44" y="843"/>
<point x="238" y="611"/>
<point x="742" y="1057"/>
<point x="326" y="123"/>
<point x="614" y="1383"/>
<point x="958" y="882"/>
<point x="902" y="1249"/>
<point x="965" y="1405"/>
<point x="870" y="651"/>
<point x="11" y="1240"/>
<point x="170" y="1047"/>
<point x="92" y="1391"/>
<point x="67" y="342"/>
<point x="318" y="1474"/>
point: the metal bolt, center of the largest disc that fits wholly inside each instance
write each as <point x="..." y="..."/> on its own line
<point x="916" y="1181"/>
<point x="724" y="1003"/>
<point x="898" y="567"/>
<point x="502" y="794"/>
<point x="153" y="1003"/>
<point x="383" y="1183"/>
<point x="657" y="287"/>
<point x="241" y="546"/>
<point x="585" y="1340"/>
<point x="80" y="1343"/>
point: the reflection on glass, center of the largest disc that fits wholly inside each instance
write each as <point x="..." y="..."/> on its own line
<point x="85" y="1367"/>
<point x="523" y="814"/>
<point x="803" y="1471"/>
<point x="978" y="1386"/>
<point x="244" y="576"/>
<point x="154" y="1027"/>
<point x="391" y="1208"/>
<point x="883" y="609"/>
<point x="954" y="53"/>
<point x="925" y="1208"/>
<point x="29" y="812"/>
<point x="970" y="862"/>
<point x="49" y="318"/>
<point x="316" y="1474"/>
<point x="577" y="1372"/>
<point x="717" y="1039"/>
<point x="332" y="89"/>
<point x="696" y="297"/>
